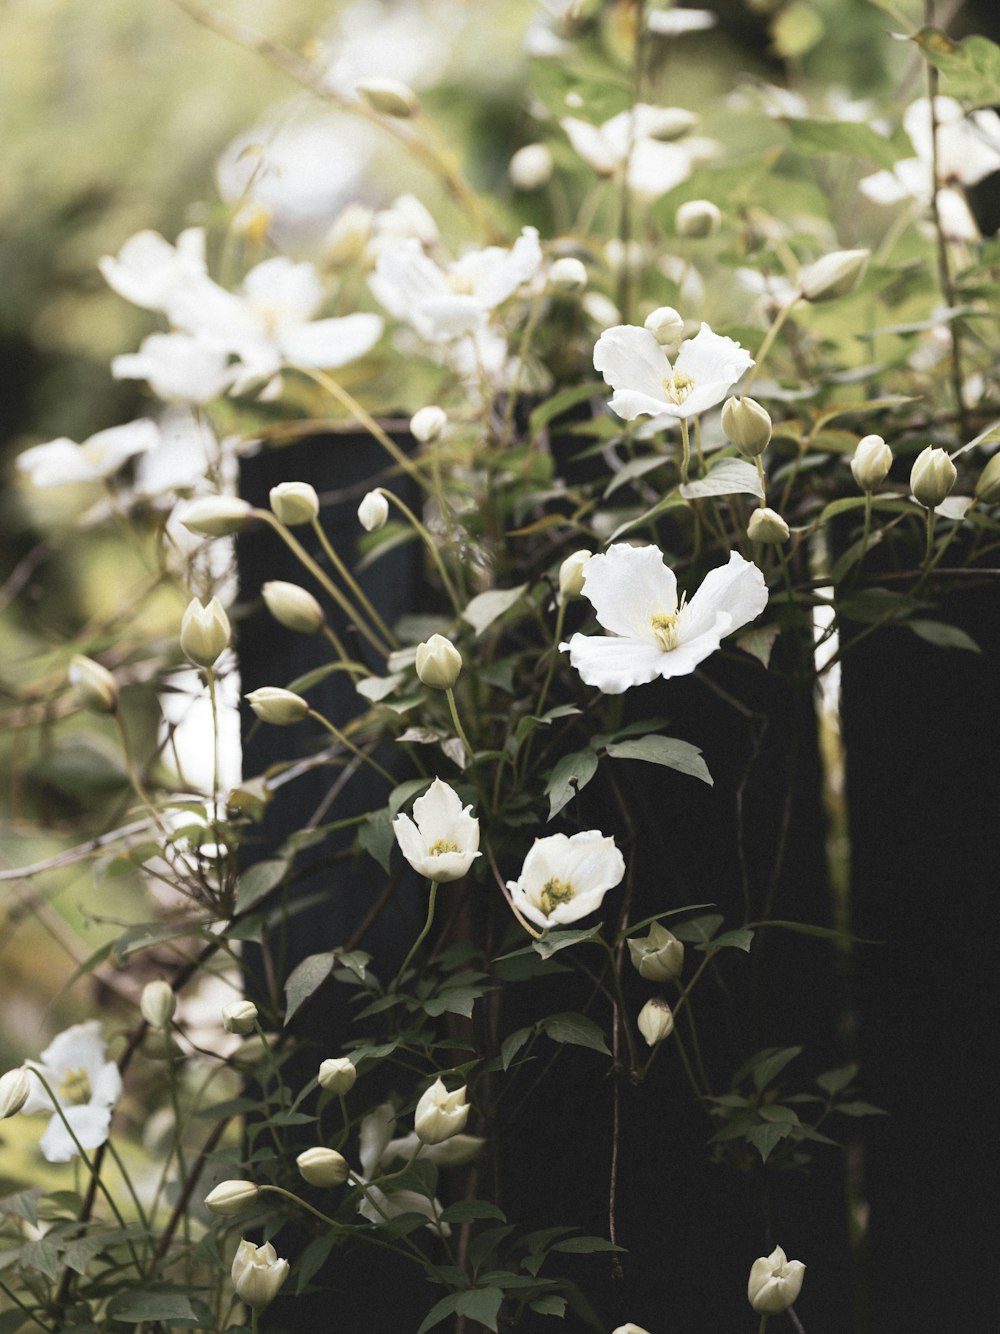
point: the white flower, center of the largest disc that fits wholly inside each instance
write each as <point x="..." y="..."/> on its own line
<point x="258" y="1273"/>
<point x="775" y="1282"/>
<point x="60" y="462"/>
<point x="439" y="1114"/>
<point x="634" y="596"/>
<point x="642" y="137"/>
<point x="149" y="271"/>
<point x="444" y="841"/>
<point x="85" y="1086"/>
<point x="636" y="367"/>
<point x="377" y="1205"/>
<point x="177" y="367"/>
<point x="676" y="22"/>
<point x="565" y="878"/>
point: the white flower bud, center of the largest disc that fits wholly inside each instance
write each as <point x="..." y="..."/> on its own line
<point x="348" y="236"/>
<point x="531" y="167"/>
<point x="239" y="1016"/>
<point x="932" y="477"/>
<point x="205" y="632"/>
<point x="323" y="1167"/>
<point x="158" y="1003"/>
<point x="93" y="685"/>
<point x="337" y="1073"/>
<point x="988" y="485"/>
<point x="775" y="1282"/>
<point x="390" y="97"/>
<point x="571" y="575"/>
<point x="258" y="1274"/>
<point x="666" y="326"/>
<point x="14" y="1089"/>
<point x="567" y="275"/>
<point x="440" y="1114"/>
<point x="630" y="1328"/>
<point x="747" y="425"/>
<point x="658" y="957"/>
<point x="215" y="516"/>
<point x="834" y="275"/>
<point x="656" y="1021"/>
<point x="427" y="424"/>
<point x="294" y="607"/>
<point x="294" y="503"/>
<point x="278" y="707"/>
<point x="373" y="512"/>
<point x="438" y="662"/>
<point x="232" y="1197"/>
<point x="697" y="219"/>
<point x="871" y="462"/>
<point x="767" y="526"/>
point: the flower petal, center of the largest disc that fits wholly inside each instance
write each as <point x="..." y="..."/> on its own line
<point x="90" y="1126"/>
<point x="630" y="358"/>
<point x="614" y="663"/>
<point x="80" y="1047"/>
<point x="737" y="588"/>
<point x="627" y="586"/>
<point x="327" y="344"/>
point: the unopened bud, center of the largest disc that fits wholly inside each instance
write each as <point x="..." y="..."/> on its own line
<point x="871" y="462"/>
<point x="775" y="1282"/>
<point x="666" y="326"/>
<point x="697" y="219"/>
<point x="239" y="1017"/>
<point x="567" y="275"/>
<point x="15" y="1086"/>
<point x="390" y="97"/>
<point x="323" y="1167"/>
<point x="373" y="512"/>
<point x="158" y="1003"/>
<point x="215" y="516"/>
<point x="294" y="607"/>
<point x="658" y="957"/>
<point x="94" y="686"/>
<point x="656" y="1021"/>
<point x="747" y="425"/>
<point x="205" y="632"/>
<point x="294" y="503"/>
<point x="988" y="486"/>
<point x="278" y="707"/>
<point x="630" y="1329"/>
<point x="347" y="238"/>
<point x="258" y="1274"/>
<point x="440" y="1114"/>
<point x="531" y="167"/>
<point x="438" y="662"/>
<point x="571" y="575"/>
<point x="834" y="275"/>
<point x="338" y="1074"/>
<point x="232" y="1197"/>
<point x="428" y="423"/>
<point x="767" y="526"/>
<point x="932" y="477"/>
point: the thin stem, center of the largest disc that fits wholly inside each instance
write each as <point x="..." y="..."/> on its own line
<point x="697" y="444"/>
<point x="763" y="1324"/>
<point x="134" y="779"/>
<point x="254" y="1320"/>
<point x="459" y="729"/>
<point x="338" y="648"/>
<point x="685" y="450"/>
<point x="769" y="337"/>
<point x="430" y="544"/>
<point x="349" y="745"/>
<point x="420" y="939"/>
<point x="616" y="982"/>
<point x="928" y="550"/>
<point x="763" y="480"/>
<point x="353" y="585"/>
<point x="365" y="419"/>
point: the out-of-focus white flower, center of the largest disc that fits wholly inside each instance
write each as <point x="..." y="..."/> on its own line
<point x="401" y="39"/>
<point x="531" y="167"/>
<point x="836" y="274"/>
<point x="94" y="686"/>
<point x="82" y="1083"/>
<point x="646" y="139"/>
<point x="676" y="22"/>
<point x="440" y="1114"/>
<point x="697" y="219"/>
<point x="177" y="367"/>
<point x="349" y="235"/>
<point x="442" y="840"/>
<point x="453" y="1152"/>
<point x="988" y="482"/>
<point x="571" y="575"/>
<point x="645" y="384"/>
<point x="373" y="512"/>
<point x="158" y="1003"/>
<point x="258" y="1273"/>
<point x="406" y="219"/>
<point x="775" y="1282"/>
<point x="215" y="516"/>
<point x="567" y="274"/>
<point x="634" y="596"/>
<point x="149" y="271"/>
<point x="62" y="462"/>
<point x="427" y="424"/>
<point x="15" y="1087"/>
<point x="565" y="878"/>
<point x="376" y="1204"/>
<point x="389" y="97"/>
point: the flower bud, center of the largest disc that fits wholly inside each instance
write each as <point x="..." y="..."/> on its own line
<point x="775" y="1282"/>
<point x="988" y="486"/>
<point x="158" y="1003"/>
<point x="658" y="957"/>
<point x="373" y="511"/>
<point x="347" y="238"/>
<point x="93" y="685"/>
<point x="337" y="1073"/>
<point x="571" y="575"/>
<point x="390" y="97"/>
<point x="567" y="275"/>
<point x="278" y="707"/>
<point x="747" y="425"/>
<point x="531" y="167"/>
<point x="294" y="607"/>
<point x="440" y="1114"/>
<point x="239" y="1016"/>
<point x="932" y="477"/>
<point x="767" y="526"/>
<point x="427" y="424"/>
<point x="656" y="1021"/>
<point x="666" y="326"/>
<point x="258" y="1274"/>
<point x="834" y="275"/>
<point x="215" y="516"/>
<point x="231" y="1197"/>
<point x="323" y="1167"/>
<point x="871" y="462"/>
<point x="294" y="503"/>
<point x="14" y="1089"/>
<point x="630" y="1329"/>
<point x="697" y="219"/>
<point x="205" y="632"/>
<point x="438" y="662"/>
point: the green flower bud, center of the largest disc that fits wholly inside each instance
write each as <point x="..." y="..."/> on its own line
<point x="338" y="1074"/>
<point x="158" y="1003"/>
<point x="871" y="462"/>
<point x="438" y="663"/>
<point x="231" y="1197"/>
<point x="278" y="707"/>
<point x="988" y="486"/>
<point x="767" y="526"/>
<point x="390" y="97"/>
<point x="323" y="1167"/>
<point x="205" y="632"/>
<point x="747" y="425"/>
<point x="656" y="1021"/>
<point x="932" y="477"/>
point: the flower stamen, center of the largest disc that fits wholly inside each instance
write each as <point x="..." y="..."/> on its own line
<point x="677" y="387"/>
<point x="441" y="846"/>
<point x="664" y="625"/>
<point x="75" y="1087"/>
<point x="553" y="893"/>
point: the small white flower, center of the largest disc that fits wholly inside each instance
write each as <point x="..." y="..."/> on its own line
<point x="644" y="138"/>
<point x="775" y="1282"/>
<point x="61" y="462"/>
<point x="439" y="1114"/>
<point x="149" y="271"/>
<point x="427" y="424"/>
<point x="178" y="367"/>
<point x="565" y="878"/>
<point x="444" y="840"/>
<point x="677" y="22"/>
<point x="636" y="367"/>
<point x="258" y="1273"/>
<point x="634" y="596"/>
<point x="84" y="1084"/>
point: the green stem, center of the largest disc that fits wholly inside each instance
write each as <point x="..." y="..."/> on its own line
<point x="763" y="1324"/>
<point x="349" y="745"/>
<point x="353" y="585"/>
<point x="763" y="480"/>
<point x="616" y="982"/>
<point x="685" y="450"/>
<point x="420" y="939"/>
<point x="338" y="392"/>
<point x="254" y="1320"/>
<point x="339" y="649"/>
<point x="928" y="550"/>
<point x="866" y="531"/>
<point x="429" y="543"/>
<point x="769" y="337"/>
<point x="460" y="730"/>
<point x="134" y="778"/>
<point x="697" y="445"/>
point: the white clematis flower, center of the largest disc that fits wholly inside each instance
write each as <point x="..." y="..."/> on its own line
<point x="634" y="596"/>
<point x="84" y="1084"/>
<point x="61" y="462"/>
<point x="444" y="841"/>
<point x="565" y="878"/>
<point x="177" y="367"/>
<point x="643" y="143"/>
<point x="636" y="367"/>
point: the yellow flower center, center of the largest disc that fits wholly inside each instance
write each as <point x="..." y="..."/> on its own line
<point x="677" y="387"/>
<point x="664" y="625"/>
<point x="553" y="893"/>
<point x="442" y="846"/>
<point x="75" y="1087"/>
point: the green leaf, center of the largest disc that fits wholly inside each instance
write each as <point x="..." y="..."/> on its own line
<point x="472" y="1211"/>
<point x="759" y="642"/>
<point x="837" y="136"/>
<point x="306" y="978"/>
<point x="971" y="69"/>
<point x="700" y="930"/>
<point x="570" y="774"/>
<point x="727" y="477"/>
<point x="560" y="403"/>
<point x="585" y="1245"/>
<point x="313" y="1258"/>
<point x="860" y="1109"/>
<point x="377" y="838"/>
<point x="633" y="469"/>
<point x="400" y="795"/>
<point x="832" y="1081"/>
<point x="445" y="1307"/>
<point x="820" y="932"/>
<point x="13" y="1320"/>
<point x="482" y="1304"/>
<point x="769" y="1064"/>
<point x="549" y="1305"/>
<point x="552" y="943"/>
<point x="259" y="880"/>
<point x="669" y="501"/>
<point x="576" y="1029"/>
<point x="943" y="636"/>
<point x="487" y="607"/>
<point x="132" y="1308"/>
<point x="512" y="1044"/>
<point x="765" y="1138"/>
<point x="739" y="939"/>
<point x="665" y="750"/>
<point x="24" y="1204"/>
